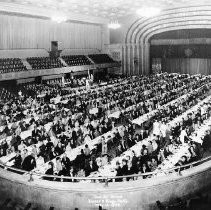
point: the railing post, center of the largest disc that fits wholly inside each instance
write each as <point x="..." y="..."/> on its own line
<point x="106" y="182"/>
<point x="179" y="171"/>
<point x="30" y="177"/>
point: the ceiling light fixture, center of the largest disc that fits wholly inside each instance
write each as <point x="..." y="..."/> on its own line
<point x="114" y="24"/>
<point x="148" y="11"/>
<point x="59" y="19"/>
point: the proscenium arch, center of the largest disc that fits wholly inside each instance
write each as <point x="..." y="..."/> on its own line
<point x="143" y="29"/>
<point x="171" y="12"/>
<point x="166" y="14"/>
<point x="180" y="27"/>
<point x="149" y="25"/>
<point x="174" y="21"/>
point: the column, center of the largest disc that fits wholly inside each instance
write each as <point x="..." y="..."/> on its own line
<point x="124" y="70"/>
<point x="146" y="67"/>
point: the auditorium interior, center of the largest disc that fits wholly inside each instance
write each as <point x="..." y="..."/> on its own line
<point x="105" y="105"/>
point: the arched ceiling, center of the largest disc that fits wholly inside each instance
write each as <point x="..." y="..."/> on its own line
<point x="183" y="34"/>
<point x="104" y="8"/>
<point x="192" y="17"/>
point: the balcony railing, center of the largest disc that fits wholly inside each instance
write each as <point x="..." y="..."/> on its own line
<point x="106" y="179"/>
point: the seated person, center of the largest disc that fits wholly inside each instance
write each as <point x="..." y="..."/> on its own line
<point x="29" y="163"/>
<point x="182" y="161"/>
<point x="52" y="153"/>
<point x="64" y="172"/>
<point x="87" y="151"/>
<point x="21" y="146"/>
<point x="79" y="161"/>
<point x="58" y="166"/>
<point x="118" y="171"/>
<point x="66" y="161"/>
<point x="49" y="171"/>
<point x="90" y="167"/>
<point x="59" y="149"/>
<point x="17" y="159"/>
<point x="42" y="149"/>
<point x="39" y="161"/>
<point x="124" y="168"/>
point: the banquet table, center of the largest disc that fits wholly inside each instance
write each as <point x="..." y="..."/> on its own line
<point x="146" y="116"/>
<point x="170" y="162"/>
<point x="182" y="150"/>
<point x="76" y="151"/>
<point x="6" y="159"/>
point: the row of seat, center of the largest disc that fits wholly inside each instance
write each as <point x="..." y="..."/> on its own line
<point x="44" y="62"/>
<point x="15" y="64"/>
<point x="11" y="65"/>
<point x="76" y="60"/>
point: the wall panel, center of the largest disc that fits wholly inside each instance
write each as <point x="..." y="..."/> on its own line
<point x="23" y="32"/>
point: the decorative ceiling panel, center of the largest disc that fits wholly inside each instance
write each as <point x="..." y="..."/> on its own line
<point x="104" y="8"/>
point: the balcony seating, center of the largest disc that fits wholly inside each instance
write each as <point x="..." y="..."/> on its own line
<point x="11" y="65"/>
<point x="101" y="58"/>
<point x="44" y="62"/>
<point x="15" y="64"/>
<point x="76" y="60"/>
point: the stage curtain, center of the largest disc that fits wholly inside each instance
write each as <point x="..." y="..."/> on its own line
<point x="187" y="65"/>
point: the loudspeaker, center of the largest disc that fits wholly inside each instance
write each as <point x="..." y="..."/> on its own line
<point x="54" y="45"/>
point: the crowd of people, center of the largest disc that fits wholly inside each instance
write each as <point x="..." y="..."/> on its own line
<point x="76" y="60"/>
<point x="44" y="62"/>
<point x="8" y="65"/>
<point x="92" y="128"/>
<point x="11" y="65"/>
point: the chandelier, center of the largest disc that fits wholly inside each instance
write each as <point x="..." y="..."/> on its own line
<point x="114" y="24"/>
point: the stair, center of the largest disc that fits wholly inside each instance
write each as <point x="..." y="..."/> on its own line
<point x="90" y="59"/>
<point x="63" y="62"/>
<point x="26" y="64"/>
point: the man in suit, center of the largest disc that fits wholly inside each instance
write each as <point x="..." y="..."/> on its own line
<point x="189" y="121"/>
<point x="17" y="160"/>
<point x="66" y="161"/>
<point x="142" y="135"/>
<point x="50" y="171"/>
<point x="35" y="134"/>
<point x="90" y="167"/>
<point x="29" y="163"/>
